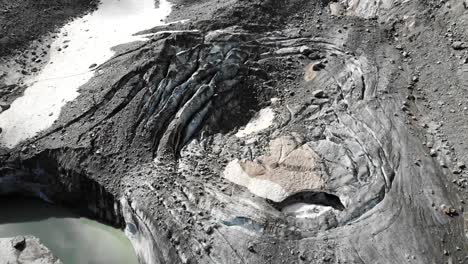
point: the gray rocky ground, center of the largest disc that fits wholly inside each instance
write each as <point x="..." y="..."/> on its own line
<point x="25" y="249"/>
<point x="273" y="132"/>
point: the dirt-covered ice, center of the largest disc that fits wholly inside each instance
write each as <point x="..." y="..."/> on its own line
<point x="82" y="45"/>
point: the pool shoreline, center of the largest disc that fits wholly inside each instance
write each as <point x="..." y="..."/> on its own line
<point x="69" y="236"/>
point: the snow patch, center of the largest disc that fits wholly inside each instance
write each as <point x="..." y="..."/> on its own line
<point x="262" y="121"/>
<point x="83" y="42"/>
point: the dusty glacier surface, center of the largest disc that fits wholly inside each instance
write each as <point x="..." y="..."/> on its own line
<point x="272" y="132"/>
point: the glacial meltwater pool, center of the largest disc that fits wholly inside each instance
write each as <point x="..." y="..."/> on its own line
<point x="73" y="239"/>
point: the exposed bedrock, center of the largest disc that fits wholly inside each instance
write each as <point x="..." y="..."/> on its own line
<point x="286" y="146"/>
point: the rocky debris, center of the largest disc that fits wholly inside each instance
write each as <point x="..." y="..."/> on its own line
<point x="448" y="210"/>
<point x="27" y="20"/>
<point x="459" y="45"/>
<point x="318" y="66"/>
<point x="251" y="247"/>
<point x="293" y="50"/>
<point x="339" y="173"/>
<point x="25" y="249"/>
<point x="208" y="230"/>
<point x="319" y="94"/>
<point x="19" y="243"/>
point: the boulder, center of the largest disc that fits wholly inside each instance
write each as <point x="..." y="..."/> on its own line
<point x="459" y="45"/>
<point x="25" y="249"/>
<point x="19" y="243"/>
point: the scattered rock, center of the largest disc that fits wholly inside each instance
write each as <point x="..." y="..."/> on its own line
<point x="293" y="50"/>
<point x="305" y="50"/>
<point x="25" y="249"/>
<point x="448" y="210"/>
<point x="207" y="247"/>
<point x="259" y="73"/>
<point x="19" y="243"/>
<point x="251" y="247"/>
<point x="314" y="56"/>
<point x="318" y="66"/>
<point x="208" y="230"/>
<point x="319" y="94"/>
<point x="24" y="149"/>
<point x="332" y="157"/>
<point x="458" y="45"/>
